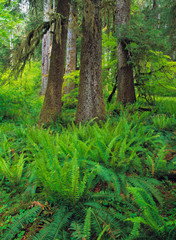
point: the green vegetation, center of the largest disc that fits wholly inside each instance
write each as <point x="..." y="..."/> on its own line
<point x="111" y="180"/>
<point x="98" y="180"/>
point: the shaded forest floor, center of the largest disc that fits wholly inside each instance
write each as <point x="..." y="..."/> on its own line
<point x="115" y="180"/>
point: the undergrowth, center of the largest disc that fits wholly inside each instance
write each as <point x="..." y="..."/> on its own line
<point x="106" y="180"/>
<point x="92" y="181"/>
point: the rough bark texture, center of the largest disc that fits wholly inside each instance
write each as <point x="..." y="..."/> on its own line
<point x="46" y="41"/>
<point x="52" y="103"/>
<point x="126" y="91"/>
<point x="91" y="102"/>
<point x="71" y="47"/>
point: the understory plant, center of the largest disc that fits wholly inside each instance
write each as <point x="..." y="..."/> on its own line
<point x="159" y="227"/>
<point x="96" y="178"/>
<point x="164" y="122"/>
<point x="11" y="163"/>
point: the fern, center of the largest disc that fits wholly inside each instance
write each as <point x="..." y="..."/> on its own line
<point x="103" y="231"/>
<point x="148" y="185"/>
<point x="119" y="183"/>
<point x="77" y="229"/>
<point x="24" y="218"/>
<point x="136" y="227"/>
<point x="150" y="214"/>
<point x="77" y="187"/>
<point x="59" y="179"/>
<point x="55" y="230"/>
<point x="102" y="216"/>
<point x="87" y="224"/>
<point x="13" y="169"/>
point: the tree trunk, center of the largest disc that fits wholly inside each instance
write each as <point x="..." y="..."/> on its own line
<point x="126" y="91"/>
<point x="71" y="47"/>
<point x="11" y="49"/>
<point x="90" y="101"/>
<point x="45" y="49"/>
<point x="52" y="103"/>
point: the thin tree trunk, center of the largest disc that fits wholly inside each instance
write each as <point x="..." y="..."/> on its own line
<point x="126" y="91"/>
<point x="11" y="49"/>
<point x="52" y="103"/>
<point x="45" y="49"/>
<point x="90" y="101"/>
<point x="71" y="47"/>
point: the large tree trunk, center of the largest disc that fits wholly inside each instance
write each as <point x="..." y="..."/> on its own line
<point x="52" y="103"/>
<point x="91" y="102"/>
<point x="71" y="47"/>
<point x="126" y="91"/>
<point x="46" y="41"/>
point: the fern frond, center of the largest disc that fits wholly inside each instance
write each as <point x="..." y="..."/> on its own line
<point x="137" y="223"/>
<point x="148" y="207"/>
<point x="25" y="218"/>
<point x="13" y="169"/>
<point x="55" y="230"/>
<point x="148" y="185"/>
<point x="77" y="229"/>
<point x="87" y="224"/>
<point x="103" y="231"/>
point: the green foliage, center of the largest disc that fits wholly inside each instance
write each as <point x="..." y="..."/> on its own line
<point x="164" y="122"/>
<point x="162" y="229"/>
<point x="18" y="222"/>
<point x="147" y="43"/>
<point x="10" y="27"/>
<point x="61" y="180"/>
<point x="70" y="99"/>
<point x="17" y="99"/>
<point x="92" y="172"/>
<point x="54" y="231"/>
<point x="87" y="224"/>
<point x="166" y="105"/>
<point x="12" y="169"/>
<point x="150" y="213"/>
<point x="9" y="20"/>
<point x="109" y="62"/>
<point x="98" y="181"/>
<point x="11" y="162"/>
<point x="155" y="76"/>
<point x="72" y="77"/>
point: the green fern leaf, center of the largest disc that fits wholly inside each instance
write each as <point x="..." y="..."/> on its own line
<point x="87" y="224"/>
<point x="22" y="219"/>
<point x="55" y="230"/>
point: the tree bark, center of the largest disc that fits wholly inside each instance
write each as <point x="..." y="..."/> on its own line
<point x="52" y="103"/>
<point x="90" y="101"/>
<point x="126" y="91"/>
<point x="46" y="41"/>
<point x="71" y="47"/>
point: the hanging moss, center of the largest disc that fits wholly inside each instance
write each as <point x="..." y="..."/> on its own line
<point x="27" y="47"/>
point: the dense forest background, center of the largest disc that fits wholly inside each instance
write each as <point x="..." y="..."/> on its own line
<point x="87" y="119"/>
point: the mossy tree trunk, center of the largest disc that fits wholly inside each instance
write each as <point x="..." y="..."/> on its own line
<point x="71" y="47"/>
<point x="90" y="101"/>
<point x="52" y="103"/>
<point x="126" y="91"/>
